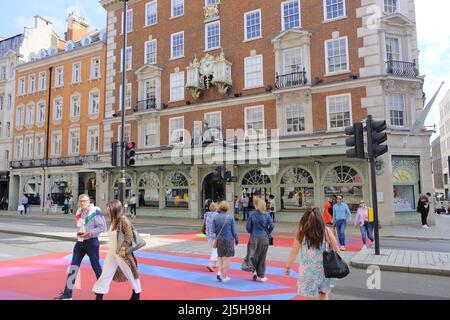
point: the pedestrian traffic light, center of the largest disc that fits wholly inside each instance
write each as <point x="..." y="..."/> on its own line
<point x="130" y="154"/>
<point x="376" y="136"/>
<point x="356" y="141"/>
<point x="114" y="153"/>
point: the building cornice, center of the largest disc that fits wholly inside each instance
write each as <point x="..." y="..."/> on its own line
<point x="112" y="5"/>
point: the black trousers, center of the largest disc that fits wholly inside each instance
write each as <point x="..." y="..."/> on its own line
<point x="255" y="261"/>
<point x="133" y="209"/>
<point x="424" y="215"/>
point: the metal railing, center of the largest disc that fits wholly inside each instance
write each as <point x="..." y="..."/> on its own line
<point x="290" y="80"/>
<point x="53" y="162"/>
<point x="402" y="68"/>
<point x="146" y="105"/>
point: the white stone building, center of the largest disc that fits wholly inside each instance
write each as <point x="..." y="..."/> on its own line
<point x="444" y="129"/>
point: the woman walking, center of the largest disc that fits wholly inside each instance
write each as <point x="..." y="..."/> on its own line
<point x="118" y="265"/>
<point x="366" y="227"/>
<point x="211" y="235"/>
<point x="226" y="238"/>
<point x="310" y="242"/>
<point x="423" y="207"/>
<point x="260" y="227"/>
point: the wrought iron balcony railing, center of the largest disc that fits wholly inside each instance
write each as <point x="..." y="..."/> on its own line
<point x="402" y="68"/>
<point x="54" y="162"/>
<point x="146" y="105"/>
<point x="295" y="79"/>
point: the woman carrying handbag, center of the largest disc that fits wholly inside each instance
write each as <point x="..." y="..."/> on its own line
<point x="310" y="242"/>
<point x="120" y="264"/>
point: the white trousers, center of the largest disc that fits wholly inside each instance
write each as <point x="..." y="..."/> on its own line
<point x="112" y="262"/>
<point x="213" y="251"/>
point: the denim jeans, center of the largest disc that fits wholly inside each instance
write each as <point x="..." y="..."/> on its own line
<point x="341" y="225"/>
<point x="245" y="213"/>
<point x="366" y="232"/>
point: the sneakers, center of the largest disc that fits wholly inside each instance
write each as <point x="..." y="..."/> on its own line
<point x="263" y="279"/>
<point x="364" y="247"/>
<point x="226" y="279"/>
<point x="219" y="278"/>
<point x="426" y="227"/>
<point x="342" y="248"/>
<point x="62" y="296"/>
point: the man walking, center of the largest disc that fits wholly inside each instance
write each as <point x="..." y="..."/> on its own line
<point x="341" y="215"/>
<point x="423" y="207"/>
<point x="24" y="202"/>
<point x="245" y="204"/>
<point x="237" y="205"/>
<point x="133" y="203"/>
<point x="91" y="223"/>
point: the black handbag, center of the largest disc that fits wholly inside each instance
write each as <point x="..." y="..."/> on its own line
<point x="333" y="265"/>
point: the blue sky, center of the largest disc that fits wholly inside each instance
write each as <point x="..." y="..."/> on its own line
<point x="433" y="30"/>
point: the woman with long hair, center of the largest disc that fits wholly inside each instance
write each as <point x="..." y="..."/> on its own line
<point x="119" y="266"/>
<point x="311" y="240"/>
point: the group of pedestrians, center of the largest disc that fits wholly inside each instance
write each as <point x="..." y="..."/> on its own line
<point x="244" y="203"/>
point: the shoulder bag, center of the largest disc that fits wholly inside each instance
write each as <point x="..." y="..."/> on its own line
<point x="220" y="233"/>
<point x="137" y="243"/>
<point x="333" y="265"/>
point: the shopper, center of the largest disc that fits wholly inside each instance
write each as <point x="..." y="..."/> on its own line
<point x="91" y="223"/>
<point x="237" y="205"/>
<point x="341" y="215"/>
<point x="245" y="205"/>
<point x="226" y="238"/>
<point x="328" y="211"/>
<point x="24" y="202"/>
<point x="423" y="207"/>
<point x="118" y="265"/>
<point x="133" y="204"/>
<point x="362" y="220"/>
<point x="260" y="227"/>
<point x="272" y="206"/>
<point x="66" y="204"/>
<point x="70" y="204"/>
<point x="211" y="234"/>
<point x="311" y="241"/>
<point x="49" y="204"/>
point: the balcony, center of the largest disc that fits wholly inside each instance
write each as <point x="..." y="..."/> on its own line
<point x="55" y="162"/>
<point x="402" y="69"/>
<point x="146" y="105"/>
<point x="295" y="79"/>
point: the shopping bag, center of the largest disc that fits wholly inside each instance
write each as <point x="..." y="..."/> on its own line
<point x="21" y="208"/>
<point x="371" y="215"/>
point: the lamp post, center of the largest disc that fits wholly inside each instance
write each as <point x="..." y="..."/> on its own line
<point x="121" y="182"/>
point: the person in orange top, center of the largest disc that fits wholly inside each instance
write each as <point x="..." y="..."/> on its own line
<point x="328" y="218"/>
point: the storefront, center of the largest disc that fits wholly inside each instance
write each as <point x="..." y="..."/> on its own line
<point x="406" y="181"/>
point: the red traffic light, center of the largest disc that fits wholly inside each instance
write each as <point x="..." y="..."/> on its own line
<point x="131" y="145"/>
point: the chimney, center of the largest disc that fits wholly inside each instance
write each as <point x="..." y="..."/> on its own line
<point x="77" y="28"/>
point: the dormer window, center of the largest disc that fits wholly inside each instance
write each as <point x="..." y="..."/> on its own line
<point x="69" y="46"/>
<point x="86" y="41"/>
<point x="53" y="51"/>
<point x="42" y="54"/>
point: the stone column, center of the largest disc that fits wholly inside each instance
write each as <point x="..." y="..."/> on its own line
<point x="75" y="187"/>
<point x="162" y="191"/>
<point x="319" y="196"/>
<point x="194" y="190"/>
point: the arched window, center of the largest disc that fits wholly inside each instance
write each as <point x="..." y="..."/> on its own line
<point x="297" y="189"/>
<point x="149" y="190"/>
<point x="128" y="187"/>
<point x="69" y="46"/>
<point x="346" y="182"/>
<point x="256" y="183"/>
<point x="42" y="54"/>
<point x="32" y="56"/>
<point x="53" y="51"/>
<point x="177" y="191"/>
<point x="86" y="41"/>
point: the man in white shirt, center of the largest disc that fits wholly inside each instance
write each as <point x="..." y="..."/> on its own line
<point x="133" y="203"/>
<point x="272" y="207"/>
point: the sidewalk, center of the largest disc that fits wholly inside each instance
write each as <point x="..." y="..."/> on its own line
<point x="433" y="263"/>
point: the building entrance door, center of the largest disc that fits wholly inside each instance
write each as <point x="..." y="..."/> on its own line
<point x="213" y="189"/>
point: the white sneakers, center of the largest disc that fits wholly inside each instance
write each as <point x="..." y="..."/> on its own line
<point x="226" y="279"/>
<point x="263" y="279"/>
<point x="364" y="248"/>
<point x="426" y="227"/>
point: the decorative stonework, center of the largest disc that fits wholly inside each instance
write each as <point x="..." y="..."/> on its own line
<point x="211" y="12"/>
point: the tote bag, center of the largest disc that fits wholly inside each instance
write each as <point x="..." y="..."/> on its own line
<point x="333" y="265"/>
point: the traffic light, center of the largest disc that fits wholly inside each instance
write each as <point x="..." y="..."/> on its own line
<point x="130" y="154"/>
<point x="376" y="136"/>
<point x="356" y="140"/>
<point x="114" y="154"/>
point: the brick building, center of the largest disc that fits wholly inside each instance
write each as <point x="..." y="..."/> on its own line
<point x="308" y="68"/>
<point x="59" y="109"/>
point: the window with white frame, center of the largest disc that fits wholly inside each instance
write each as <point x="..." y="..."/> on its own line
<point x="177" y="45"/>
<point x="254" y="72"/>
<point x="3" y="73"/>
<point x="393" y="51"/>
<point x="20" y="116"/>
<point x="214" y="122"/>
<point x="42" y="81"/>
<point x="127" y="132"/>
<point x="128" y="95"/>
<point x="211" y="2"/>
<point x="151" y="13"/>
<point x="21" y="86"/>
<point x="8" y="129"/>
<point x="128" y="59"/>
<point x="30" y="115"/>
<point x="19" y="148"/>
<point x="74" y="141"/>
<point x="129" y="21"/>
<point x="177" y="8"/>
<point x="151" y="133"/>
<point x="29" y="147"/>
<point x="40" y="113"/>
<point x="6" y="158"/>
<point x="397" y="109"/>
<point x="95" y="69"/>
<point x="76" y="72"/>
<point x="254" y="118"/>
<point x="252" y="24"/>
<point x="9" y="101"/>
<point x="75" y="105"/>
<point x="150" y="52"/>
<point x="290" y="14"/>
<point x="212" y="35"/>
<point x="12" y="70"/>
<point x="59" y="77"/>
<point x="176" y="130"/>
<point x="390" y="6"/>
<point x="337" y="55"/>
<point x="295" y="118"/>
<point x="39" y="147"/>
<point x="93" y="137"/>
<point x="57" y="109"/>
<point x="339" y="111"/>
<point x="94" y="102"/>
<point x="32" y="83"/>
<point x="177" y="86"/>
<point x="334" y="9"/>
<point x="2" y="102"/>
<point x="292" y="60"/>
<point x="56" y="143"/>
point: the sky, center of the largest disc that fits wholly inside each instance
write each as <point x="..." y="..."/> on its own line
<point x="433" y="28"/>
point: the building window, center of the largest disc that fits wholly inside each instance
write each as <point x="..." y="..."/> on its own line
<point x="9" y="101"/>
<point x="177" y="191"/>
<point x="42" y="81"/>
<point x="393" y="52"/>
<point x="295" y="119"/>
<point x="346" y="182"/>
<point x="177" y="8"/>
<point x="58" y="109"/>
<point x="128" y="60"/>
<point x="94" y="102"/>
<point x="8" y="129"/>
<point x="150" y="52"/>
<point x="254" y="118"/>
<point x="290" y="14"/>
<point x="211" y="2"/>
<point x="127" y="133"/>
<point x="151" y="134"/>
<point x="1" y="129"/>
<point x="254" y="72"/>
<point x="397" y="109"/>
<point x="3" y="73"/>
<point x="20" y="116"/>
<point x="29" y="147"/>
<point x="2" y="102"/>
<point x="149" y="190"/>
<point x="74" y="141"/>
<point x="75" y="105"/>
<point x="93" y="140"/>
<point x="176" y="131"/>
<point x="297" y="189"/>
<point x="12" y="70"/>
<point x="76" y="73"/>
<point x="128" y="96"/>
<point x="212" y="33"/>
<point x="40" y="113"/>
<point x="337" y="55"/>
<point x="390" y="6"/>
<point x="339" y="111"/>
<point x="252" y="23"/>
<point x="22" y="86"/>
<point x="177" y="43"/>
<point x="151" y="13"/>
<point x="129" y="21"/>
<point x="95" y="69"/>
<point x="214" y="122"/>
<point x="7" y="164"/>
<point x="177" y="86"/>
<point x="39" y="149"/>
<point x="19" y="148"/>
<point x="32" y="83"/>
<point x="334" y="9"/>
<point x="56" y="144"/>
<point x="292" y="60"/>
<point x="30" y="115"/>
<point x="59" y="77"/>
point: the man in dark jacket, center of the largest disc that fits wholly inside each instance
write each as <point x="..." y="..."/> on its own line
<point x="423" y="207"/>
